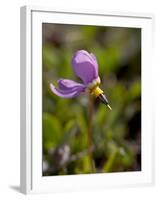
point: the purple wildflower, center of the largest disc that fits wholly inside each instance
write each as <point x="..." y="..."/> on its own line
<point x="86" y="68"/>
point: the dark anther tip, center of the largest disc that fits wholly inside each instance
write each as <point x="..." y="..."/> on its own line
<point x="104" y="100"/>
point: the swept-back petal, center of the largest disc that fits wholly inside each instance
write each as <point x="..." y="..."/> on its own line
<point x="67" y="88"/>
<point x="66" y="84"/>
<point x="85" y="66"/>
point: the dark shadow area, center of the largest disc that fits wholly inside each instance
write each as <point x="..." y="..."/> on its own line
<point x="15" y="187"/>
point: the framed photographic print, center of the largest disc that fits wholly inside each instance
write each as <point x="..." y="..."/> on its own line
<point x="86" y="100"/>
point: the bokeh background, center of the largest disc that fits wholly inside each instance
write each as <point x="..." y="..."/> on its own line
<point x="116" y="134"/>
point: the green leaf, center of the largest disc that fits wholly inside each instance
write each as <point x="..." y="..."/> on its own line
<point x="52" y="131"/>
<point x="135" y="90"/>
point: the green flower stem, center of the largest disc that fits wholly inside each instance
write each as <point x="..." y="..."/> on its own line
<point x="90" y="131"/>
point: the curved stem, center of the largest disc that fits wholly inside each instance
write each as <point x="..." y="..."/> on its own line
<point x="90" y="130"/>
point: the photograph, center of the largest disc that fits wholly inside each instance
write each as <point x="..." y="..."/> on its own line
<point x="91" y="99"/>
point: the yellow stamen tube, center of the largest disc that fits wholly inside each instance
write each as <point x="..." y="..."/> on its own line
<point x="97" y="91"/>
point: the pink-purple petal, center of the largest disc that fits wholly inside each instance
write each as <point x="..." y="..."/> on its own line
<point x="94" y="58"/>
<point x="67" y="88"/>
<point x="85" y="66"/>
<point x="66" y="84"/>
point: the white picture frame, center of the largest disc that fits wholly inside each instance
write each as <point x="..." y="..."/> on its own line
<point x="32" y="180"/>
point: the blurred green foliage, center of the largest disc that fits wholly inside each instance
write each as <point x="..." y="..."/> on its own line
<point x="116" y="134"/>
